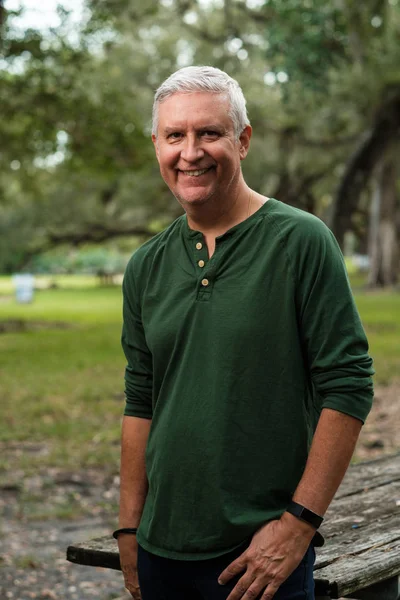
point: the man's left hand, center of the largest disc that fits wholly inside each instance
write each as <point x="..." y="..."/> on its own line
<point x="275" y="551"/>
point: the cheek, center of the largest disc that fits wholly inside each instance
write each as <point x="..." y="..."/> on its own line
<point x="167" y="159"/>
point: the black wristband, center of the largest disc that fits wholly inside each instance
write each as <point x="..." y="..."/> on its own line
<point x="132" y="530"/>
<point x="303" y="513"/>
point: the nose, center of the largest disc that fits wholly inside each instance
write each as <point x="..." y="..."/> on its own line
<point x="192" y="150"/>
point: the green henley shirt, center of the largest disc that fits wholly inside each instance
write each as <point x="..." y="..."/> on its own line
<point x="233" y="359"/>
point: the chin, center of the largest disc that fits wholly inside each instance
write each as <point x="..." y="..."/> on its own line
<point x="193" y="198"/>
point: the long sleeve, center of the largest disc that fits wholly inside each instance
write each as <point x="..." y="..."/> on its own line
<point x="138" y="372"/>
<point x="334" y="342"/>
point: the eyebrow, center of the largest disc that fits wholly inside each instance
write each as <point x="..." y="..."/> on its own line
<point x="218" y="128"/>
<point x="168" y="130"/>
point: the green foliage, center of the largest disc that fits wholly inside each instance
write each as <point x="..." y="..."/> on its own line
<point x="306" y="40"/>
<point x="77" y="163"/>
<point x="94" y="259"/>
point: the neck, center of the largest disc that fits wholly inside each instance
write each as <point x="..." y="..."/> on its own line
<point x="214" y="218"/>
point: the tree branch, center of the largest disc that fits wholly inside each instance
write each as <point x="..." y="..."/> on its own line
<point x="2" y="16"/>
<point x="96" y="233"/>
<point x="314" y="143"/>
<point x="296" y="191"/>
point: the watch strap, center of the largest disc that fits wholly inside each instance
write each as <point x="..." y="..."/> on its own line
<point x="305" y="514"/>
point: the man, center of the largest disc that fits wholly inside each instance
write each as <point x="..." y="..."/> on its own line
<point x="248" y="377"/>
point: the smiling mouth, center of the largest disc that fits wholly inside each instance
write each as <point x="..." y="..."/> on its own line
<point x="197" y="172"/>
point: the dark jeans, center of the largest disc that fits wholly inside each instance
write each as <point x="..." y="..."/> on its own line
<point x="167" y="579"/>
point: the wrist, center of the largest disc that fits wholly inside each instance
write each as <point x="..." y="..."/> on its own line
<point x="299" y="528"/>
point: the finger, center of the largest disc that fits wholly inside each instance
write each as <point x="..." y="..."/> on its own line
<point x="270" y="591"/>
<point x="236" y="567"/>
<point x="134" y="592"/>
<point x="254" y="591"/>
<point x="241" y="587"/>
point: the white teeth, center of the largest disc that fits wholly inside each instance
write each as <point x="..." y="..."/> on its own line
<point x="195" y="173"/>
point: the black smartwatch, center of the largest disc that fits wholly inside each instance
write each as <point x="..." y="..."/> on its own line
<point x="303" y="513"/>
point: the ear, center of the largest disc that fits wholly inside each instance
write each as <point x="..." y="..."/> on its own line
<point x="154" y="140"/>
<point x="244" y="141"/>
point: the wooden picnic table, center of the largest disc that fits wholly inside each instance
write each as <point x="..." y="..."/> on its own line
<point x="361" y="555"/>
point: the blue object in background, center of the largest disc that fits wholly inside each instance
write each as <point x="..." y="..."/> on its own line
<point x="24" y="287"/>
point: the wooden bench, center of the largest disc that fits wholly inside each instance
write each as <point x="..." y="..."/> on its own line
<point x="361" y="556"/>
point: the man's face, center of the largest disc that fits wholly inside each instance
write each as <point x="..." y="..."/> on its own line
<point x="196" y="148"/>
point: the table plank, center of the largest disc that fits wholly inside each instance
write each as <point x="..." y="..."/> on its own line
<point x="351" y="573"/>
<point x="360" y="517"/>
<point x="354" y="542"/>
<point x="99" y="552"/>
<point x="369" y="474"/>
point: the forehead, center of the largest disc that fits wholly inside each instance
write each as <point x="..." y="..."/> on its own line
<point x="194" y="109"/>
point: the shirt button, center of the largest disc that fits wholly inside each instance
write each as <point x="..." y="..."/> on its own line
<point x="199" y="245"/>
<point x="205" y="282"/>
<point x="201" y="263"/>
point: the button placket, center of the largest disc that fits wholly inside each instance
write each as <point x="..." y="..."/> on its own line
<point x="204" y="283"/>
<point x="200" y="254"/>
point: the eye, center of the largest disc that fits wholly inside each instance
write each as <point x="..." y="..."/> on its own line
<point x="209" y="133"/>
<point x="175" y="135"/>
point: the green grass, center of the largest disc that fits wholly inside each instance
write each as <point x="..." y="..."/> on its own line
<point x="93" y="305"/>
<point x="63" y="388"/>
<point x="380" y="314"/>
<point x="45" y="281"/>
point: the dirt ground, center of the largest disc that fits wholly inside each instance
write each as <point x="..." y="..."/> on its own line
<point x="381" y="432"/>
<point x="32" y="550"/>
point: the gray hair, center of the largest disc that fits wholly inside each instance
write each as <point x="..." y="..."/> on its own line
<point x="204" y="79"/>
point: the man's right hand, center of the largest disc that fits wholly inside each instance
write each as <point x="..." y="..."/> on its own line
<point x="128" y="550"/>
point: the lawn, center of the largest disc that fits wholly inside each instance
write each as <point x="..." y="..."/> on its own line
<point x="380" y="314"/>
<point x="63" y="387"/>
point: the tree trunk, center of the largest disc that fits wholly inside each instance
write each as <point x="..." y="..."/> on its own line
<point x="373" y="144"/>
<point x="384" y="234"/>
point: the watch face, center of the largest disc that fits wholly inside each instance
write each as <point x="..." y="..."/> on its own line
<point x="307" y="516"/>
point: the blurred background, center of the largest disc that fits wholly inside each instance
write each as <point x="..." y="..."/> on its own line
<point x="80" y="191"/>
